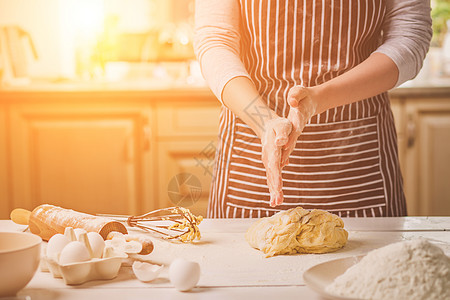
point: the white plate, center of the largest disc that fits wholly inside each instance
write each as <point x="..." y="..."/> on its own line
<point x="322" y="275"/>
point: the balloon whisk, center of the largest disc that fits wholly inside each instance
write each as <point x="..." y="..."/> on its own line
<point x="173" y="223"/>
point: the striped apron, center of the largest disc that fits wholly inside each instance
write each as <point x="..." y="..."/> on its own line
<point x="346" y="160"/>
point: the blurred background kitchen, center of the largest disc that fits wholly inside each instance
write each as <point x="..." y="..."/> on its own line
<point x="103" y="109"/>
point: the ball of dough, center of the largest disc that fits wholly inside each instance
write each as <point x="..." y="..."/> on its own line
<point x="298" y="230"/>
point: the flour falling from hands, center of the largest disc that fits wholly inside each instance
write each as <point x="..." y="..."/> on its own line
<point x="413" y="269"/>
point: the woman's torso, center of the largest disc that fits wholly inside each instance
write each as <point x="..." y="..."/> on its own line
<point x="303" y="42"/>
<point x="345" y="161"/>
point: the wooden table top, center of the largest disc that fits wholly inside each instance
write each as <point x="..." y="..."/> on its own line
<point x="231" y="269"/>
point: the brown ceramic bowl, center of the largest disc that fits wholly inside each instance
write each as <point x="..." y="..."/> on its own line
<point x="19" y="259"/>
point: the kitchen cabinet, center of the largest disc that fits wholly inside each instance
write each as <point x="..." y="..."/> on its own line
<point x="397" y="106"/>
<point x="89" y="156"/>
<point x="129" y="152"/>
<point x="104" y="151"/>
<point x="426" y="158"/>
<point x="182" y="180"/>
<point x="186" y="138"/>
<point x="422" y="117"/>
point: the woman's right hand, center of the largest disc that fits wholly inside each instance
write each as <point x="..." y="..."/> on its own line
<point x="240" y="95"/>
<point x="303" y="105"/>
<point x="274" y="137"/>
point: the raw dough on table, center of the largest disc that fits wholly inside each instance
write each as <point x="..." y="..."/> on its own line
<point x="297" y="230"/>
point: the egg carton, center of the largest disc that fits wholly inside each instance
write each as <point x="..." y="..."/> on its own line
<point x="104" y="268"/>
<point x="81" y="272"/>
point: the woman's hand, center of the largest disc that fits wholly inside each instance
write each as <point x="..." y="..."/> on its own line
<point x="241" y="96"/>
<point x="274" y="136"/>
<point x="303" y="105"/>
<point x="280" y="136"/>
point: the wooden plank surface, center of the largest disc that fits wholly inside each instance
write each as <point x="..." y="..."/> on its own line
<point x="354" y="224"/>
<point x="229" y="266"/>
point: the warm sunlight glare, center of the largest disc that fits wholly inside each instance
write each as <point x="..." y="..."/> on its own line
<point x="88" y="16"/>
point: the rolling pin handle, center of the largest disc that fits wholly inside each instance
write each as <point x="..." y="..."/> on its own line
<point x="20" y="216"/>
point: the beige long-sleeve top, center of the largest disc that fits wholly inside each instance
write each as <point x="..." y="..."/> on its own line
<point x="406" y="39"/>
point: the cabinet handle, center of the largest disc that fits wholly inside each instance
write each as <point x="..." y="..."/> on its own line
<point x="410" y="132"/>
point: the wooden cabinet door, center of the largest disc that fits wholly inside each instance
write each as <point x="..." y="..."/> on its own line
<point x="89" y="157"/>
<point x="187" y="138"/>
<point x="397" y="106"/>
<point x="427" y="162"/>
<point x="185" y="173"/>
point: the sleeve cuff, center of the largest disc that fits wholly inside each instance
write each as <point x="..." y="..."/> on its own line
<point x="406" y="69"/>
<point x="219" y="66"/>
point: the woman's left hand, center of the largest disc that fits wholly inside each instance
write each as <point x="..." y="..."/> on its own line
<point x="303" y="106"/>
<point x="274" y="137"/>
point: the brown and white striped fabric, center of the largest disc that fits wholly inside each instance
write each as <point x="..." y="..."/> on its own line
<point x="346" y="159"/>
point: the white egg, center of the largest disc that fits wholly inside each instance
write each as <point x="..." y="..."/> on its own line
<point x="132" y="247"/>
<point x="55" y="245"/>
<point x="118" y="241"/>
<point x="120" y="244"/>
<point x="97" y="244"/>
<point x="79" y="231"/>
<point x="183" y="274"/>
<point x="146" y="272"/>
<point x="110" y="251"/>
<point x="74" y="252"/>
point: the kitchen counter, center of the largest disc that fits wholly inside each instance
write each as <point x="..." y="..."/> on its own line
<point x="233" y="270"/>
<point x="431" y="88"/>
<point x="64" y="93"/>
<point x="421" y="92"/>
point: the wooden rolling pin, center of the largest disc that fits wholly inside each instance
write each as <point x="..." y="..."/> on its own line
<point x="47" y="220"/>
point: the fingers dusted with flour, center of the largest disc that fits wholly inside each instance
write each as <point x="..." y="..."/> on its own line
<point x="296" y="94"/>
<point x="275" y="136"/>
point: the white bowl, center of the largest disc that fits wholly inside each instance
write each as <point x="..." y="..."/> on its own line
<point x="19" y="259"/>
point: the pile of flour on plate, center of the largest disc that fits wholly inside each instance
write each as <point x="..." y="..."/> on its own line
<point x="413" y="269"/>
